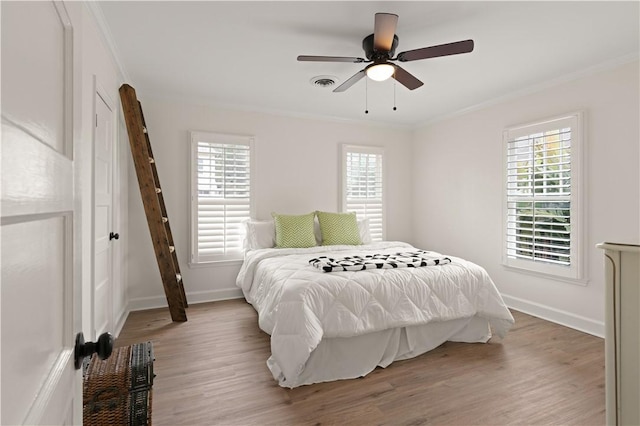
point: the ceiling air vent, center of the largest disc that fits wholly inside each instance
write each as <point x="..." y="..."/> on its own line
<point x="324" y="81"/>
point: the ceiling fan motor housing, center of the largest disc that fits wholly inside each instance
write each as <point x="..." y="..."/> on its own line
<point x="374" y="55"/>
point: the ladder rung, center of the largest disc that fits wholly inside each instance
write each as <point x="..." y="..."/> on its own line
<point x="158" y="190"/>
<point x="172" y="249"/>
<point x="165" y="219"/>
<point x="151" y="160"/>
<point x="179" y="277"/>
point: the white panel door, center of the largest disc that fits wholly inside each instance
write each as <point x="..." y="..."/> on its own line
<point x="40" y="302"/>
<point x="103" y="217"/>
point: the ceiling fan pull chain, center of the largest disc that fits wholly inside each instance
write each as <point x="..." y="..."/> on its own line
<point x="394" y="93"/>
<point x="366" y="96"/>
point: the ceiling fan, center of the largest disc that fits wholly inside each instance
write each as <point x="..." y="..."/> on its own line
<point x="379" y="49"/>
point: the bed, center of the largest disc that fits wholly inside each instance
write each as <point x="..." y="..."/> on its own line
<point x="327" y="326"/>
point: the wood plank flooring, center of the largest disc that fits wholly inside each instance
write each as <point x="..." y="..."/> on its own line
<point x="211" y="370"/>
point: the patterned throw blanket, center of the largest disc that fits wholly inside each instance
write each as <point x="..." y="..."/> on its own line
<point x="412" y="259"/>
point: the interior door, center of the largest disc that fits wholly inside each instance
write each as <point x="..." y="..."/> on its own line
<point x="104" y="235"/>
<point x="40" y="302"/>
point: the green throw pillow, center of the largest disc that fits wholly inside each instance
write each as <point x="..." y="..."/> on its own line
<point x="294" y="231"/>
<point x="339" y="228"/>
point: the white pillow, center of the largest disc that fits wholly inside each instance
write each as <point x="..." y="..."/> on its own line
<point x="259" y="234"/>
<point x="316" y="231"/>
<point x="365" y="234"/>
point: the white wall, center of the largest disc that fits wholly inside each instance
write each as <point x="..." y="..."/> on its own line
<point x="457" y="199"/>
<point x="297" y="170"/>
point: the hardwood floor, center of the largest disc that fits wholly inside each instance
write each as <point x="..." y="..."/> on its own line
<point x="211" y="370"/>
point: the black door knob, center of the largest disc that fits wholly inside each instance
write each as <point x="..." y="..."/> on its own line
<point x="113" y="236"/>
<point x="103" y="347"/>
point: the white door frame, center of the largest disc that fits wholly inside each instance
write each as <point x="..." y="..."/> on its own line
<point x="100" y="92"/>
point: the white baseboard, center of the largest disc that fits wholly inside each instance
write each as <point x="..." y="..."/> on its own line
<point x="214" y="295"/>
<point x="122" y="318"/>
<point x="580" y="323"/>
<point x="144" y="303"/>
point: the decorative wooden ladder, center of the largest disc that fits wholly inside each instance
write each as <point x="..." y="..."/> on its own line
<point x="153" y="202"/>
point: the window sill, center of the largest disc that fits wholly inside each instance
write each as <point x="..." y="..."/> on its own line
<point x="215" y="263"/>
<point x="575" y="281"/>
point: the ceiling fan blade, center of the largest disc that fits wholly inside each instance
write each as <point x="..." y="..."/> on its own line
<point x="383" y="31"/>
<point x="353" y="80"/>
<point x="403" y="77"/>
<point x="454" y="48"/>
<point x="307" y="58"/>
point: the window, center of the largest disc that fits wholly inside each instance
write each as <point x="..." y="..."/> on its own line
<point x="220" y="195"/>
<point x="542" y="197"/>
<point x="363" y="186"/>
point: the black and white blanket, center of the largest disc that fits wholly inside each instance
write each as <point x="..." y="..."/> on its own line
<point x="413" y="259"/>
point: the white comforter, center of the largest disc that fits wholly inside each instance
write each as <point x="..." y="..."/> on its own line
<point x="299" y="305"/>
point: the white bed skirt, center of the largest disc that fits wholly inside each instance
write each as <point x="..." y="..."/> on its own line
<point x="352" y="357"/>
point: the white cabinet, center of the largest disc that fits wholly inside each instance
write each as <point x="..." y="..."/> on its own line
<point x="622" y="338"/>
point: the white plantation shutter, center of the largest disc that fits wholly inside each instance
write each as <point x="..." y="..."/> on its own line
<point x="363" y="186"/>
<point x="542" y="215"/>
<point x="221" y="195"/>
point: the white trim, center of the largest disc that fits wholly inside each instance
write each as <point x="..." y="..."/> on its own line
<point x="558" y="316"/>
<point x="575" y="272"/>
<point x="69" y="75"/>
<point x="118" y="266"/>
<point x="342" y="178"/>
<point x="220" y="138"/>
<point x="227" y="106"/>
<point x="153" y="302"/>
<point x="577" y="281"/>
<point x="100" y="92"/>
<point x="104" y="31"/>
<point x="215" y="263"/>
<point x="121" y="320"/>
<point x="214" y="295"/>
<point x="79" y="166"/>
<point x="144" y="303"/>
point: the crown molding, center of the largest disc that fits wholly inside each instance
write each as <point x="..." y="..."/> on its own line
<point x="103" y="29"/>
<point x="207" y="103"/>
<point x="592" y="70"/>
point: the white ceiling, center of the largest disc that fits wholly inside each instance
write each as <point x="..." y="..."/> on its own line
<point x="243" y="54"/>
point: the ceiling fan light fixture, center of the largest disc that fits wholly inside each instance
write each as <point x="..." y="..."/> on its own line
<point x="380" y="72"/>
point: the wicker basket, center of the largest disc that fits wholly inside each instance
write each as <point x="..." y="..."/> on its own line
<point x="118" y="390"/>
